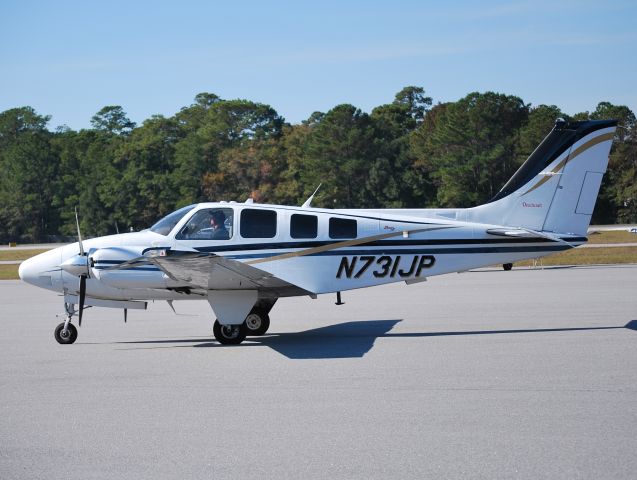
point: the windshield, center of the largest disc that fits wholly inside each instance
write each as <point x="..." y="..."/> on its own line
<point x="166" y="224"/>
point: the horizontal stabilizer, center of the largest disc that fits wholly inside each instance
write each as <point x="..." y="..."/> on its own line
<point x="528" y="233"/>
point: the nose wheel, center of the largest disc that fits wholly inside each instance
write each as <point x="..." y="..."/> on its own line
<point x="65" y="334"/>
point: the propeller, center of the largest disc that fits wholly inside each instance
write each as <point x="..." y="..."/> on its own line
<point x="83" y="276"/>
<point x="82" y="297"/>
<point x="79" y="234"/>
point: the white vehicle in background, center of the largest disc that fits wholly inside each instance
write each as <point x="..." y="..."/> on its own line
<point x="242" y="257"/>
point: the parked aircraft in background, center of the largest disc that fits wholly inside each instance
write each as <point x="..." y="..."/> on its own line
<point x="242" y="257"/>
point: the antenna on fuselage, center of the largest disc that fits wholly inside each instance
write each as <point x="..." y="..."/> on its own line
<point x="308" y="202"/>
<point x="338" y="299"/>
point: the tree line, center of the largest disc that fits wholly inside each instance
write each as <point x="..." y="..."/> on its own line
<point x="407" y="153"/>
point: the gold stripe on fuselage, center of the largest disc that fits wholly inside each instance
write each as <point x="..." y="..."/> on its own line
<point x="582" y="148"/>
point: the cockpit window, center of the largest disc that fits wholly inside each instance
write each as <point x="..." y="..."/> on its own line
<point x="208" y="224"/>
<point x="166" y="224"/>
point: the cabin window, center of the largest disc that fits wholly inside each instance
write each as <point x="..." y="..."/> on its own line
<point x="343" y="228"/>
<point x="303" y="226"/>
<point x="258" y="223"/>
<point x="208" y="224"/>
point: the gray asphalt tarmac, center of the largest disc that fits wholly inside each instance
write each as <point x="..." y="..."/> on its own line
<point x="486" y="374"/>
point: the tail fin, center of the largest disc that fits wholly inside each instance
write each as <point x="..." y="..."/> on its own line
<point x="556" y="188"/>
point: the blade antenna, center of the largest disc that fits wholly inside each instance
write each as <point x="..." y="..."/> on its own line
<point x="308" y="202"/>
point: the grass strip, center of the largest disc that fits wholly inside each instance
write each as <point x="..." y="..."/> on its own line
<point x="9" y="272"/>
<point x="20" y="254"/>
<point x="589" y="256"/>
<point x="612" y="236"/>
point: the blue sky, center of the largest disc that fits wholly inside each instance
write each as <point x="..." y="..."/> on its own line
<point x="68" y="59"/>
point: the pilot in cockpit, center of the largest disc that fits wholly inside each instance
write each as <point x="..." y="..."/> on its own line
<point x="217" y="223"/>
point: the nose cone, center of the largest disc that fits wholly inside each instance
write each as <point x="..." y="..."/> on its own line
<point x="41" y="269"/>
<point x="28" y="270"/>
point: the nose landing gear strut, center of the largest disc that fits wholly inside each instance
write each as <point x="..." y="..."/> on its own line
<point x="66" y="333"/>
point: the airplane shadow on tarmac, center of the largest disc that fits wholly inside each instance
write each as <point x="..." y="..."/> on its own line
<point x="352" y="339"/>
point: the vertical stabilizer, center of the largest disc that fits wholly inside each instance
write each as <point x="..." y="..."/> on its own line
<point x="556" y="188"/>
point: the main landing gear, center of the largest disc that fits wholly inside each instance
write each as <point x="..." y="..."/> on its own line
<point x="229" y="334"/>
<point x="256" y="324"/>
<point x="66" y="333"/>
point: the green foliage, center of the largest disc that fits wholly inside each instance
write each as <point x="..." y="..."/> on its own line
<point x="112" y="119"/>
<point x="472" y="147"/>
<point x="617" y="200"/>
<point x="407" y="153"/>
<point x="339" y="155"/>
<point x="394" y="178"/>
<point x="28" y="172"/>
<point x="540" y="122"/>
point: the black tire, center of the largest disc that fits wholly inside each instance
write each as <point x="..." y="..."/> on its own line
<point x="70" y="337"/>
<point x="257" y="322"/>
<point x="507" y="266"/>
<point x="229" y="334"/>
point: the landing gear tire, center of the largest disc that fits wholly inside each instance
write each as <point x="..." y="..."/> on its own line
<point x="507" y="266"/>
<point x="257" y="322"/>
<point x="229" y="334"/>
<point x="65" y="338"/>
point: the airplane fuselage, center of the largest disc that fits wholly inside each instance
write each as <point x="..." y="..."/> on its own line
<point x="320" y="250"/>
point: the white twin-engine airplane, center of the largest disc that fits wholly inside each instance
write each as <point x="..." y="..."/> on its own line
<point x="242" y="257"/>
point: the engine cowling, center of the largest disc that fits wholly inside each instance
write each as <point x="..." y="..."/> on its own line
<point x="107" y="266"/>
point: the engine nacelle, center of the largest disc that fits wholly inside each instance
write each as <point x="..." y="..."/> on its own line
<point x="105" y="264"/>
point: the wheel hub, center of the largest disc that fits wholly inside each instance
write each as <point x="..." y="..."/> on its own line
<point x="253" y="321"/>
<point x="230" y="331"/>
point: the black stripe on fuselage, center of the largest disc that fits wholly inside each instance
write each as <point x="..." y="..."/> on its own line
<point x="379" y="243"/>
<point x="348" y="251"/>
<point x="381" y="247"/>
<point x="370" y="250"/>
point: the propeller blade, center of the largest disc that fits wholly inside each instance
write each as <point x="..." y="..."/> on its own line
<point x="79" y="234"/>
<point x="82" y="296"/>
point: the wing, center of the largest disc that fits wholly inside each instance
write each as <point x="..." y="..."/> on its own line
<point x="209" y="271"/>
